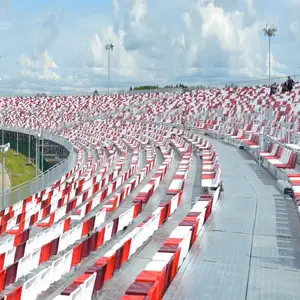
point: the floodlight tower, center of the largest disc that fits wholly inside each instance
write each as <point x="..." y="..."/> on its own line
<point x="270" y="32"/>
<point x="108" y="47"/>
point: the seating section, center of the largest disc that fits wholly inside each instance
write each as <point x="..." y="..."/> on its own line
<point x="280" y="157"/>
<point x="99" y="202"/>
<point x="136" y="158"/>
<point x="155" y="279"/>
<point x="137" y="155"/>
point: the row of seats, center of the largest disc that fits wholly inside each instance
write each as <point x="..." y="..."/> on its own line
<point x="269" y="147"/>
<point x="280" y="156"/>
<point x="45" y="233"/>
<point x="31" y="208"/>
<point x="170" y="107"/>
<point x="113" y="260"/>
<point x="50" y="210"/>
<point x="122" y="251"/>
<point x="153" y="282"/>
<point x="109" y="170"/>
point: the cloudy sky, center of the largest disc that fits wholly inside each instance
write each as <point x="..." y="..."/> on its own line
<point x="59" y="46"/>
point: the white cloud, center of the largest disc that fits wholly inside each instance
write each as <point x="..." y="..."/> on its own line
<point x="250" y="7"/>
<point x="155" y="42"/>
<point x="39" y="67"/>
<point x="43" y="61"/>
<point x="5" y="26"/>
<point x="294" y="30"/>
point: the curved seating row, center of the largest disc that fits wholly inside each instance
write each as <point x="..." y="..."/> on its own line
<point x="163" y="168"/>
<point x="56" y="231"/>
<point x="154" y="280"/>
<point x="72" y="212"/>
<point x="122" y="251"/>
<point x="115" y="226"/>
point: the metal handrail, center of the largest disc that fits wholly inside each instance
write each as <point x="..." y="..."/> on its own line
<point x="48" y="136"/>
<point x="27" y="183"/>
<point x="262" y="81"/>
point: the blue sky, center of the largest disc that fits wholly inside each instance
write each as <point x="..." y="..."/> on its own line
<point x="58" y="46"/>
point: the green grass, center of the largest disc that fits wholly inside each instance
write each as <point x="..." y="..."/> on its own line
<point x="17" y="168"/>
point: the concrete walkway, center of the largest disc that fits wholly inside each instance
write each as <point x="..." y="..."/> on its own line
<point x="7" y="181"/>
<point x="250" y="248"/>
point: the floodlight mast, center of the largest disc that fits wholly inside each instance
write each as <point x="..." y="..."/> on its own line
<point x="270" y="32"/>
<point x="108" y="47"/>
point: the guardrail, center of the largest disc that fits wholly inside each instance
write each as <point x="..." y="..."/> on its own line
<point x="44" y="179"/>
<point x="191" y="86"/>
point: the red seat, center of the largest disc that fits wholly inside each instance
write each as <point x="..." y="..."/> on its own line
<point x="100" y="271"/>
<point x="68" y="290"/>
<point x="150" y="289"/>
<point x="168" y="248"/>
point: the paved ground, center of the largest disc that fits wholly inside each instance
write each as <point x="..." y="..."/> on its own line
<point x="250" y="248"/>
<point x="7" y="182"/>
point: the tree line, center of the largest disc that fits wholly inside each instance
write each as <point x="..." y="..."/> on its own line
<point x="154" y="87"/>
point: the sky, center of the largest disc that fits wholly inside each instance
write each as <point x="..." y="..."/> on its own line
<point x="59" y="46"/>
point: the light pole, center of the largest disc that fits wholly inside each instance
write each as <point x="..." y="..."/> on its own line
<point x="4" y="149"/>
<point x="108" y="47"/>
<point x="42" y="157"/>
<point x="270" y="32"/>
<point x="17" y="154"/>
<point x="37" y="158"/>
<point x="29" y="145"/>
<point x="37" y="140"/>
<point x="18" y="125"/>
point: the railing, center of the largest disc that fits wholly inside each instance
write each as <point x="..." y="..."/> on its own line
<point x="254" y="82"/>
<point x="103" y="91"/>
<point x="44" y="179"/>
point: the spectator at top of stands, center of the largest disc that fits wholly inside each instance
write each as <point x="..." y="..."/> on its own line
<point x="290" y="83"/>
<point x="96" y="93"/>
<point x="273" y="89"/>
<point x="284" y="87"/>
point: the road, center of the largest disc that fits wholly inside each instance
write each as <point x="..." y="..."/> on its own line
<point x="7" y="182"/>
<point x="250" y="247"/>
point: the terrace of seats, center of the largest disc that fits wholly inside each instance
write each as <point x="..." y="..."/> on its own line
<point x="138" y="217"/>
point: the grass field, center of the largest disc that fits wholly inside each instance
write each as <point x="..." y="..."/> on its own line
<point x="17" y="168"/>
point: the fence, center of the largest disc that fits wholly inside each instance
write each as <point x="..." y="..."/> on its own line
<point x="44" y="179"/>
<point x="254" y="82"/>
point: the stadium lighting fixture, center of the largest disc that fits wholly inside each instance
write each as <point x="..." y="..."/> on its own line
<point x="37" y="141"/>
<point x="42" y="156"/>
<point x="29" y="138"/>
<point x="17" y="154"/>
<point x="108" y="47"/>
<point x="18" y="125"/>
<point x="4" y="149"/>
<point x="270" y="32"/>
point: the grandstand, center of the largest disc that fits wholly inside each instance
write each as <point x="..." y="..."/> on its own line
<point x="176" y="194"/>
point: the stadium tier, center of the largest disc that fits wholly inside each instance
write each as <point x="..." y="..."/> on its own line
<point x="148" y="168"/>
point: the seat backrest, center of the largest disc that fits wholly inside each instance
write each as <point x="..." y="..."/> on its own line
<point x="293" y="160"/>
<point x="274" y="150"/>
<point x="279" y="152"/>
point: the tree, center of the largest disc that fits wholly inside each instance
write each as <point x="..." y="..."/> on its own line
<point x="145" y="87"/>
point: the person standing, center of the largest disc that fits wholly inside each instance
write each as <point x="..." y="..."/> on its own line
<point x="290" y="83"/>
<point x="273" y="89"/>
